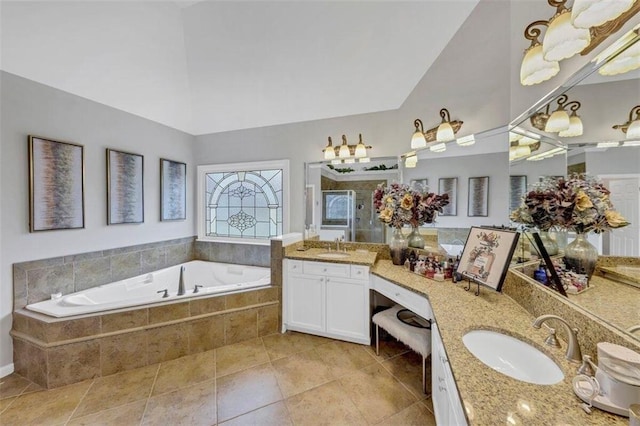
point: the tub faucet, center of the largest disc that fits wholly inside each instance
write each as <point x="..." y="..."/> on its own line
<point x="181" y="290"/>
<point x="634" y="328"/>
<point x="573" y="350"/>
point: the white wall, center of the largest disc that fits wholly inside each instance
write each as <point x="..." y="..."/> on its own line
<point x="533" y="170"/>
<point x="613" y="161"/>
<point x="494" y="165"/>
<point x="31" y="108"/>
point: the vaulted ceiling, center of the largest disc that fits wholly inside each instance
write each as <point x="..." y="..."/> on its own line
<point x="214" y="66"/>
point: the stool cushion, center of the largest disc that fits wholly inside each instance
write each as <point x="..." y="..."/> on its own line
<point x="418" y="339"/>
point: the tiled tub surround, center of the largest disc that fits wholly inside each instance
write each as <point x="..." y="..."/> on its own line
<point x="54" y="352"/>
<point x="488" y="396"/>
<point x="57" y="352"/>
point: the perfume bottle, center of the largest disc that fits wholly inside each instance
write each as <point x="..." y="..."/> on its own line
<point x="540" y="274"/>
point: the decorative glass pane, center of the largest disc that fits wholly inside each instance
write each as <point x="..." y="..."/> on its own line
<point x="239" y="204"/>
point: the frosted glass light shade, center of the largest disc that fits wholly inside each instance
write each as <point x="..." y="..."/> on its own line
<point x="329" y="153"/>
<point x="418" y="140"/>
<point x="575" y="128"/>
<point x="513" y="136"/>
<point x="592" y="13"/>
<point x="445" y="133"/>
<point x="411" y="161"/>
<point x="633" y="132"/>
<point x="526" y="140"/>
<point x="535" y="69"/>
<point x="439" y="147"/>
<point x="558" y="122"/>
<point x="361" y="150"/>
<point x="522" y="151"/>
<point x="344" y="151"/>
<point x="626" y="61"/>
<point x="562" y="40"/>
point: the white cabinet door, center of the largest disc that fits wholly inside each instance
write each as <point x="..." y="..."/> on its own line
<point x="305" y="302"/>
<point x="347" y="307"/>
<point x="447" y="405"/>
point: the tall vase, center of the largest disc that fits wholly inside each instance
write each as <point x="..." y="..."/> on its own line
<point x="581" y="256"/>
<point x="398" y="247"/>
<point x="549" y="243"/>
<point x="415" y="239"/>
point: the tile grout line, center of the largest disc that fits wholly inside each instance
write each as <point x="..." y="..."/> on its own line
<point x="79" y="402"/>
<point x="153" y="385"/>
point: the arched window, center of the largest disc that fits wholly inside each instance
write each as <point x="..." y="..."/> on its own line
<point x="243" y="201"/>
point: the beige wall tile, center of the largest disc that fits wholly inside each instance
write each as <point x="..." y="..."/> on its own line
<point x="201" y="334"/>
<point x="124" y="320"/>
<point x="200" y="306"/>
<point x="168" y="312"/>
<point x="268" y="320"/>
<point x="123" y="352"/>
<point x="239" y="326"/>
<point x="167" y="343"/>
<point x="37" y="365"/>
<point x="72" y="329"/>
<point x="73" y="363"/>
<point x="240" y="300"/>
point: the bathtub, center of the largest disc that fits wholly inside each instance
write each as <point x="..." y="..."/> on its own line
<point x="215" y="278"/>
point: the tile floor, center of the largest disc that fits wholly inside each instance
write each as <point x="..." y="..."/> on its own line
<point x="280" y="379"/>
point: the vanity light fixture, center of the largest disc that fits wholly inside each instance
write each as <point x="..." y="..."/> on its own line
<point x="632" y="127"/>
<point x="575" y="30"/>
<point x="329" y="151"/>
<point x="344" y="152"/>
<point x="559" y="119"/>
<point x="562" y="40"/>
<point x="466" y="140"/>
<point x="547" y="154"/>
<point x="444" y="132"/>
<point x="608" y="144"/>
<point x="592" y="13"/>
<point x="514" y="137"/>
<point x="411" y="161"/>
<point x="575" y="122"/>
<point x="438" y="147"/>
<point x="535" y="68"/>
<point x="624" y="54"/>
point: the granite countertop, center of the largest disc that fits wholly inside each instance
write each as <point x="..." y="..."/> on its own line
<point x="491" y="398"/>
<point x="624" y="273"/>
<point x="356" y="257"/>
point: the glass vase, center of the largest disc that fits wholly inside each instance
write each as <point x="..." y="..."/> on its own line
<point x="398" y="247"/>
<point x="581" y="256"/>
<point x="549" y="243"/>
<point x="415" y="239"/>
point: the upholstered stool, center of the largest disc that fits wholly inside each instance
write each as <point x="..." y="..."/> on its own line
<point x="417" y="338"/>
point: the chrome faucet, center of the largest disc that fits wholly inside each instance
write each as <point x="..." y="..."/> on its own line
<point x="181" y="290"/>
<point x="573" y="350"/>
<point x="337" y="244"/>
<point x="633" y="329"/>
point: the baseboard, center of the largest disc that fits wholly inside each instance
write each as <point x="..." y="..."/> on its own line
<point x="5" y="370"/>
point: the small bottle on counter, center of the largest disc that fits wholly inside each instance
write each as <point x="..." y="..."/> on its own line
<point x="455" y="275"/>
<point x="540" y="274"/>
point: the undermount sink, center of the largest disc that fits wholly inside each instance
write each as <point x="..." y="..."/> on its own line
<point x="512" y="357"/>
<point x="333" y="255"/>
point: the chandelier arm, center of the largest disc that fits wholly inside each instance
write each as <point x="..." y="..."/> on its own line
<point x="444" y="113"/>
<point x="531" y="33"/>
<point x="558" y="4"/>
<point x="562" y="100"/>
<point x="419" y="126"/>
<point x="636" y="110"/>
<point x="573" y="105"/>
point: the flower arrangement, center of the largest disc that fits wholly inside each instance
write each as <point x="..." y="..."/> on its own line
<point x="398" y="204"/>
<point x="579" y="203"/>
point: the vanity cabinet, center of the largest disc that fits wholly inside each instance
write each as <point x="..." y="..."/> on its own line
<point x="327" y="299"/>
<point x="447" y="405"/>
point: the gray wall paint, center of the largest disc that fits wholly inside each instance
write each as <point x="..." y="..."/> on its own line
<point x="613" y="161"/>
<point x="31" y="108"/>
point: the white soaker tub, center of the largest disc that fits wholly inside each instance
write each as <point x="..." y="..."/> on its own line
<point x="149" y="288"/>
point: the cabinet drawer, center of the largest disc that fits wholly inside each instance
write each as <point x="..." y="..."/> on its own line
<point x="407" y="298"/>
<point x="294" y="266"/>
<point x="360" y="272"/>
<point x="328" y="269"/>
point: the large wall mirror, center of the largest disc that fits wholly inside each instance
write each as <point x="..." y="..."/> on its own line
<point x="338" y="199"/>
<point x="603" y="102"/>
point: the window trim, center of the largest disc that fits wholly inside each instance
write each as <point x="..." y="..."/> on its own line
<point x="202" y="171"/>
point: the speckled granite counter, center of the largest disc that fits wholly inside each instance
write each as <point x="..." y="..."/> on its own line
<point x="356" y="257"/>
<point x="491" y="398"/>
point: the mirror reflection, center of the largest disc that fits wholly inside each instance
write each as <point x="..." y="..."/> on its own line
<point x="339" y="201"/>
<point x="604" y="148"/>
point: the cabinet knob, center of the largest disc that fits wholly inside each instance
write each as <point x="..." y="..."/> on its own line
<point x="440" y="379"/>
<point x="442" y="388"/>
<point x="324" y="270"/>
<point x="359" y="273"/>
<point x="294" y="266"/>
<point x="327" y="279"/>
<point x="397" y="294"/>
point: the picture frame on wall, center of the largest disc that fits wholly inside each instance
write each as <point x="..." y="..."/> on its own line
<point x="173" y="190"/>
<point x="478" y="197"/>
<point x="419" y="184"/>
<point x="125" y="187"/>
<point x="486" y="255"/>
<point x="449" y="186"/>
<point x="517" y="188"/>
<point x="56" y="185"/>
